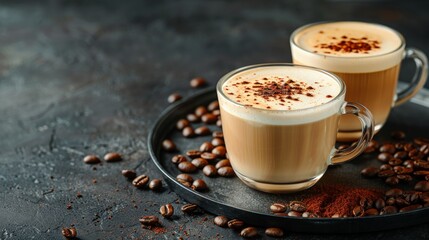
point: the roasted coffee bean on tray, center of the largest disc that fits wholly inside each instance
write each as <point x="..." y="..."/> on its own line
<point x="221" y="221"/>
<point x="199" y="185"/>
<point x="155" y="184"/>
<point x="112" y="157"/>
<point x="168" y="145"/>
<point x="174" y="97"/>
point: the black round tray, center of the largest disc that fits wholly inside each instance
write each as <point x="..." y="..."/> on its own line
<point x="230" y="197"/>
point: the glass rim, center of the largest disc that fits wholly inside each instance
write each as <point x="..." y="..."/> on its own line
<point x="230" y="74"/>
<point x="300" y="29"/>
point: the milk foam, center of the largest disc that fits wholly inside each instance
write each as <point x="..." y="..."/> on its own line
<point x="314" y="45"/>
<point x="240" y="98"/>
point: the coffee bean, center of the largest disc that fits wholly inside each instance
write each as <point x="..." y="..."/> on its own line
<point x="421" y="164"/>
<point x="192" y="118"/>
<point x="395" y="161"/>
<point x="366" y="202"/>
<point x="112" y="157"/>
<point x="219" y="123"/>
<point x="221" y="221"/>
<point x="220" y="151"/>
<point x="369" y="172"/>
<point x="226" y="171"/>
<point x="371" y="212"/>
<point x="189" y="208"/>
<point x="210" y="171"/>
<point x="217" y="141"/>
<point x="206" y="147"/>
<point x="249" y="232"/>
<point x="399" y="146"/>
<point x="422" y="186"/>
<point x="209" y="118"/>
<point x="284" y="214"/>
<point x="297" y="206"/>
<point x="235" y="224"/>
<point x="409" y="146"/>
<point x="91" y="159"/>
<point x="193" y="153"/>
<point x="149" y="220"/>
<point x="217" y="134"/>
<point x="408" y="163"/>
<point x="168" y="145"/>
<point x="202" y="131"/>
<point x="223" y="163"/>
<point x="188" y="132"/>
<point x="216" y="113"/>
<point x="387" y="148"/>
<point x="399" y="135"/>
<point x="385" y="167"/>
<point x="388" y="210"/>
<point x="199" y="185"/>
<point x="198" y="82"/>
<point x="309" y="215"/>
<point x="386" y="173"/>
<point x="400" y="202"/>
<point x="174" y="97"/>
<point x="402" y="170"/>
<point x="294" y="214"/>
<point x="394" y="192"/>
<point x="358" y="211"/>
<point x="278" y="208"/>
<point x="384" y="157"/>
<point x="130" y="174"/>
<point x="421" y="141"/>
<point x="200" y="111"/>
<point x="213" y="105"/>
<point x="414" y="154"/>
<point x="199" y="162"/>
<point x="274" y="232"/>
<point x="166" y="210"/>
<point x="187" y="167"/>
<point x="208" y="156"/>
<point x="410" y="208"/>
<point x="393" y="180"/>
<point x="390" y="201"/>
<point x="373" y="143"/>
<point x="182" y="123"/>
<point x="185" y="177"/>
<point x="401" y="155"/>
<point x="185" y="183"/>
<point x="176" y="159"/>
<point x="412" y="196"/>
<point x="369" y="149"/>
<point x="69" y="232"/>
<point x="140" y="181"/>
<point x="404" y="177"/>
<point x="155" y="184"/>
<point x="380" y="203"/>
<point x="427" y="177"/>
<point x="421" y="173"/>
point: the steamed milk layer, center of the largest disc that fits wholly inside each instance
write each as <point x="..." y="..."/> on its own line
<point x="363" y="47"/>
<point x="268" y="143"/>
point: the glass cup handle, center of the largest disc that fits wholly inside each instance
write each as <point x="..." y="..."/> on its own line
<point x="419" y="78"/>
<point x="367" y="121"/>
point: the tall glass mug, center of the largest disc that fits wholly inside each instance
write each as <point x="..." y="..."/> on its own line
<point x="280" y="123"/>
<point x="367" y="57"/>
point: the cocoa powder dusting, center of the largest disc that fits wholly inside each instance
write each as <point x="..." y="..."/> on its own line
<point x="349" y="45"/>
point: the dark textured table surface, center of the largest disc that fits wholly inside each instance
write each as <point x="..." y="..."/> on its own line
<point x="80" y="77"/>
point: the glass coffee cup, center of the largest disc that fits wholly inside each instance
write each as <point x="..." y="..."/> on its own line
<point x="280" y="123"/>
<point x="367" y="57"/>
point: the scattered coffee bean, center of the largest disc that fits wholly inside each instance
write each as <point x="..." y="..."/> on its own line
<point x="226" y="171"/>
<point x="309" y="215"/>
<point x="223" y="163"/>
<point x="187" y="167"/>
<point x="235" y="224"/>
<point x="168" y="145"/>
<point x="202" y="131"/>
<point x="217" y="141"/>
<point x="386" y="167"/>
<point x="193" y="153"/>
<point x="140" y="181"/>
<point x="182" y="123"/>
<point x="387" y="148"/>
<point x="421" y="173"/>
<point x="176" y="159"/>
<point x="278" y="208"/>
<point x="200" y="111"/>
<point x="399" y="135"/>
<point x="393" y="180"/>
<point x="394" y="192"/>
<point x="149" y="220"/>
<point x="274" y="232"/>
<point x="386" y="173"/>
<point x="370" y="172"/>
<point x="216" y="113"/>
<point x="69" y="232"/>
<point x="380" y="203"/>
<point x="395" y="161"/>
<point x="206" y="147"/>
<point x="192" y="118"/>
<point x="217" y="134"/>
<point x="221" y="221"/>
<point x="112" y="157"/>
<point x="401" y="155"/>
<point x="249" y="232"/>
<point x="422" y="186"/>
<point x="130" y="174"/>
<point x="155" y="184"/>
<point x="188" y="132"/>
<point x="297" y="206"/>
<point x="208" y="156"/>
<point x="220" y="151"/>
<point x="91" y="159"/>
<point x="210" y="171"/>
<point x="199" y="185"/>
<point x="384" y="157"/>
<point x="197" y="82"/>
<point x="213" y="106"/>
<point x="185" y="177"/>
<point x="174" y="97"/>
<point x="371" y="212"/>
<point x="421" y="141"/>
<point x="200" y="163"/>
<point x="294" y="214"/>
<point x="388" y="210"/>
<point x="219" y="123"/>
<point x="358" y="211"/>
<point x="166" y="210"/>
<point x="189" y="208"/>
<point x="404" y="177"/>
<point x="410" y="208"/>
<point x="209" y="118"/>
